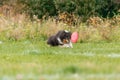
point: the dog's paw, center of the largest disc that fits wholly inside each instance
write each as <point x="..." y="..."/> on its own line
<point x="67" y="46"/>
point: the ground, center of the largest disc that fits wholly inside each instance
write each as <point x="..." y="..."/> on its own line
<point x="35" y="60"/>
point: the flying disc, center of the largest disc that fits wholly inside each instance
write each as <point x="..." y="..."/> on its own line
<point x="74" y="37"/>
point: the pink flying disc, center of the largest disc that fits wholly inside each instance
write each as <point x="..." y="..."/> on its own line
<point x="74" y="37"/>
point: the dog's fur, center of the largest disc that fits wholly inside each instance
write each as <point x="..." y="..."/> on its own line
<point x="62" y="38"/>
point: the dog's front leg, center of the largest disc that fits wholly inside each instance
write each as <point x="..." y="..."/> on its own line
<point x="70" y="44"/>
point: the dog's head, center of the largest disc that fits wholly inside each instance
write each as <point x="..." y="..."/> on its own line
<point x="64" y="36"/>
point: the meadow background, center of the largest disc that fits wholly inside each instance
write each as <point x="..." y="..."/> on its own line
<point x="25" y="26"/>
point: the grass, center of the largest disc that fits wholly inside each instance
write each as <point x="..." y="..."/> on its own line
<point x="24" y="54"/>
<point x="33" y="60"/>
<point x="20" y="27"/>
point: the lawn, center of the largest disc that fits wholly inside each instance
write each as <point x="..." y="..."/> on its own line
<point x="35" y="60"/>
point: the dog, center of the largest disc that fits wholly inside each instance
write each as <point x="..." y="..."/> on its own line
<point x="62" y="38"/>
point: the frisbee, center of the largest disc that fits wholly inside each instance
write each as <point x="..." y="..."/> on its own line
<point x="74" y="37"/>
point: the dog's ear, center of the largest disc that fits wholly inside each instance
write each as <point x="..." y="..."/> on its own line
<point x="68" y="34"/>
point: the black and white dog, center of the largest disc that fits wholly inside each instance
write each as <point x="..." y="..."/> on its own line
<point x="62" y="38"/>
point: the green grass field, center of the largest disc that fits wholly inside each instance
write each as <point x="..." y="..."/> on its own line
<point x="30" y="60"/>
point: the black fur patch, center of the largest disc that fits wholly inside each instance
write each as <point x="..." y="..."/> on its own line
<point x="62" y="35"/>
